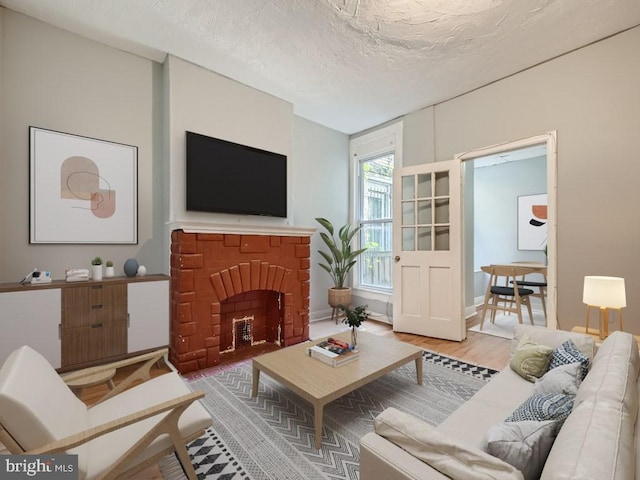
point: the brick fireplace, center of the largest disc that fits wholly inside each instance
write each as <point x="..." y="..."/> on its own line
<point x="231" y="291"/>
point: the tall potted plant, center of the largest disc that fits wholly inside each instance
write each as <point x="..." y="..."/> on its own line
<point x="340" y="259"/>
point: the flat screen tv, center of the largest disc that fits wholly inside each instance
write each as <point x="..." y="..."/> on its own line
<point x="226" y="177"/>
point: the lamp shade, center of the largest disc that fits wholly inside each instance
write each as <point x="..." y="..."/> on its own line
<point x="605" y="292"/>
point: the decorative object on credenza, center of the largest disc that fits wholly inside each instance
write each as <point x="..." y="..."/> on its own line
<point x="604" y="293"/>
<point x="142" y="271"/>
<point x="131" y="267"/>
<point x="96" y="268"/>
<point x="109" y="271"/>
<point x="77" y="275"/>
<point x="340" y="259"/>
<point x="37" y="277"/>
<point x="82" y="190"/>
<point x="354" y="318"/>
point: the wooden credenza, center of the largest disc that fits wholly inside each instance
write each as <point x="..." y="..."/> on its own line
<point x="86" y="323"/>
<point x="94" y="323"/>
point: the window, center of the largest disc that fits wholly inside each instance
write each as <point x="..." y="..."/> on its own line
<point x="374" y="156"/>
<point x="375" y="195"/>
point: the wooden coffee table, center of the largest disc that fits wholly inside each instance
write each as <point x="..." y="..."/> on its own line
<point x="319" y="383"/>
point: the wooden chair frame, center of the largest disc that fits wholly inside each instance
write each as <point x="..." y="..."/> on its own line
<point x="512" y="300"/>
<point x="122" y="469"/>
<point x="542" y="289"/>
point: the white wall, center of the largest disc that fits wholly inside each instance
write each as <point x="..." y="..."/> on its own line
<point x="591" y="97"/>
<point x="57" y="80"/>
<point x="321" y="189"/>
<point x="54" y="79"/>
<point x="204" y="102"/>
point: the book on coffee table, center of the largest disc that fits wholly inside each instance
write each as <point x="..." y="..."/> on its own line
<point x="334" y="352"/>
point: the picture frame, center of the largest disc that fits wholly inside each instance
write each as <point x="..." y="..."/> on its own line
<point x="82" y="189"/>
<point x="532" y="222"/>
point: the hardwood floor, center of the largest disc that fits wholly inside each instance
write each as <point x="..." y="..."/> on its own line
<point x="478" y="348"/>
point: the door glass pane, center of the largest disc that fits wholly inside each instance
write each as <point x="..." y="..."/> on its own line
<point x="408" y="239"/>
<point x="442" y="238"/>
<point x="408" y="187"/>
<point x="442" y="184"/>
<point x="424" y="185"/>
<point x="442" y="210"/>
<point x="424" y="212"/>
<point x="408" y="213"/>
<point x="424" y="239"/>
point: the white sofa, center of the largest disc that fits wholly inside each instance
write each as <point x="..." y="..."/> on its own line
<point x="597" y="441"/>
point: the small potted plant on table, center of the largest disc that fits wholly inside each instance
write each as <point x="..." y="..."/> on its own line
<point x="354" y="318"/>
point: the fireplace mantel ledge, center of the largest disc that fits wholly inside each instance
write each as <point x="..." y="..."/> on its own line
<point x="204" y="227"/>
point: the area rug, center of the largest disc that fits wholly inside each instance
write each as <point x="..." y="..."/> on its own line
<point x="504" y="324"/>
<point x="271" y="437"/>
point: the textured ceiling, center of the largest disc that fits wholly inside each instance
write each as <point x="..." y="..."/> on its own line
<point x="347" y="64"/>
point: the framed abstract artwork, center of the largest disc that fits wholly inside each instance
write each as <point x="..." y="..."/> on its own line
<point x="532" y="222"/>
<point x="82" y="190"/>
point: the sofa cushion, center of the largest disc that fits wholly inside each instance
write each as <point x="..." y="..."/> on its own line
<point x="597" y="440"/>
<point x="444" y="453"/>
<point x="548" y="406"/>
<point x="615" y="369"/>
<point x="568" y="353"/>
<point x="564" y="379"/>
<point x="554" y="338"/>
<point x="525" y="445"/>
<point x="530" y="360"/>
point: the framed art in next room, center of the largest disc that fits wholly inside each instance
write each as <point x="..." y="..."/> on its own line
<point x="532" y="222"/>
<point x="82" y="190"/>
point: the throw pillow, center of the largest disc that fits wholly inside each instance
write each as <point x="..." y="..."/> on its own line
<point x="563" y="379"/>
<point x="547" y="406"/>
<point x="444" y="453"/>
<point x="525" y="445"/>
<point x="569" y="353"/>
<point x="530" y="360"/>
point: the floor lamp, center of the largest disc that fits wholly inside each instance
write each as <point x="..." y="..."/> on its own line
<point x="605" y="293"/>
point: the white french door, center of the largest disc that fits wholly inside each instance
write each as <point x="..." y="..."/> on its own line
<point x="427" y="272"/>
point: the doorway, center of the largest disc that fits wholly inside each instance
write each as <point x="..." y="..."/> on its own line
<point x="540" y="146"/>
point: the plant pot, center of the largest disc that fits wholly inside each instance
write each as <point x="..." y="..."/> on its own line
<point x="96" y="272"/>
<point x="339" y="296"/>
<point x="109" y="272"/>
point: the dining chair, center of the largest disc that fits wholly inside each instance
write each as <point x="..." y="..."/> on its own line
<point x="501" y="294"/>
<point x="541" y="293"/>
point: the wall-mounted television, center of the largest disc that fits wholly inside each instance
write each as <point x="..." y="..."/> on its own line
<point x="225" y="177"/>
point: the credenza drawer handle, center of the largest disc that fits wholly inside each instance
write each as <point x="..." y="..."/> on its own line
<point x="98" y="305"/>
<point x="96" y="325"/>
<point x="96" y="287"/>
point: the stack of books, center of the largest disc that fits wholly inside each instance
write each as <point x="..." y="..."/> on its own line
<point x="334" y="352"/>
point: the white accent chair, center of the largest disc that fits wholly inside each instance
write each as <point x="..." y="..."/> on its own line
<point x="126" y="431"/>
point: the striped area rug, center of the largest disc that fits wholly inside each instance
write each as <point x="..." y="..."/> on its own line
<point x="271" y="437"/>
